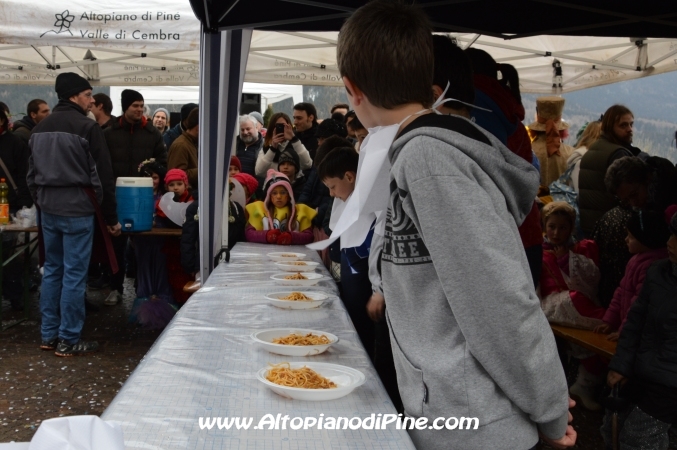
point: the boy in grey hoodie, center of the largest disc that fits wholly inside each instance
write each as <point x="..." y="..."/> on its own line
<point x="468" y="335"/>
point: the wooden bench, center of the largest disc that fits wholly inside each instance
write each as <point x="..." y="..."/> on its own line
<point x="590" y="340"/>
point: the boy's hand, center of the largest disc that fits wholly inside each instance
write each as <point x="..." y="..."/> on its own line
<point x="604" y="328"/>
<point x="284" y="238"/>
<point x="569" y="438"/>
<point x="615" y="377"/>
<point x="613" y="337"/>
<point x="272" y="235"/>
<point x="375" y="306"/>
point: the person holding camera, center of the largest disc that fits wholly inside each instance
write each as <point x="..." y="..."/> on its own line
<point x="280" y="138"/>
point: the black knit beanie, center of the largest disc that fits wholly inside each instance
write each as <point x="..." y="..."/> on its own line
<point x="186" y="109"/>
<point x="128" y="97"/>
<point x="290" y="156"/>
<point x="69" y="84"/>
<point x="649" y="228"/>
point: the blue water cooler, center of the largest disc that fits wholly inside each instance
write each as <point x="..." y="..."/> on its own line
<point x="135" y="203"/>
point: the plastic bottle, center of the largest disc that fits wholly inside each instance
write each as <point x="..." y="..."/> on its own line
<point x="4" y="202"/>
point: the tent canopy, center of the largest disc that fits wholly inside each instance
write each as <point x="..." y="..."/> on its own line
<point x="497" y="18"/>
<point x="156" y="43"/>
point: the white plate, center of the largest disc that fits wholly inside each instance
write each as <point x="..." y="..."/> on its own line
<point x="312" y="279"/>
<point x="288" y="266"/>
<point x="346" y="378"/>
<point x="318" y="299"/>
<point x="277" y="256"/>
<point x="265" y="340"/>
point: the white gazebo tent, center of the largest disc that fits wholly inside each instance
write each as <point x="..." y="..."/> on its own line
<point x="161" y="43"/>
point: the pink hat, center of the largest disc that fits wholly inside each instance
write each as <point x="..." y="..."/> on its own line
<point x="176" y="175"/>
<point x="273" y="179"/>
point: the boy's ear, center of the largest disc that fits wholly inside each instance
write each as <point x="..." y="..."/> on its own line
<point x="350" y="176"/>
<point x="356" y="95"/>
<point x="437" y="91"/>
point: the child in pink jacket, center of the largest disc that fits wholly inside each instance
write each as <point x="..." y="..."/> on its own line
<point x="647" y="239"/>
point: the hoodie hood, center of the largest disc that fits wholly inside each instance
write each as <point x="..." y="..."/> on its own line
<point x="513" y="176"/>
<point x="26" y="122"/>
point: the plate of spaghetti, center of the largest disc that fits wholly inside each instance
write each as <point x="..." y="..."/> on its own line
<point x="297" y="266"/>
<point x="310" y="381"/>
<point x="298" y="278"/>
<point x="297" y="299"/>
<point x="294" y="341"/>
<point x="286" y="256"/>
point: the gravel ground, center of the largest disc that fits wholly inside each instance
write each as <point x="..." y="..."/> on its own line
<point x="36" y="385"/>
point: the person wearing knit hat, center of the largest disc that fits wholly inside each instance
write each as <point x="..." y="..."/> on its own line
<point x="248" y="182"/>
<point x="160" y="119"/>
<point x="289" y="165"/>
<point x="648" y="235"/>
<point x="278" y="219"/>
<point x="645" y="356"/>
<point x="235" y="166"/>
<point x="259" y="120"/>
<point x="150" y="168"/>
<point x="129" y="97"/>
<point x="70" y="84"/>
<point x="68" y="153"/>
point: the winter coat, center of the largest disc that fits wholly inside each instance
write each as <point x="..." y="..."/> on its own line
<point x="267" y="159"/>
<point x="248" y="155"/>
<point x="575" y="160"/>
<point x="131" y="144"/>
<point x="69" y="152"/>
<point x="169" y="136"/>
<point x="14" y="153"/>
<point x="647" y="347"/>
<point x="309" y="139"/>
<point x="593" y="198"/>
<point x="316" y="195"/>
<point x="183" y="155"/>
<point x="23" y="128"/>
<point x="631" y="286"/>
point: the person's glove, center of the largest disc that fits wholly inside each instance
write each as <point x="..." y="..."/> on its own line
<point x="272" y="236"/>
<point x="284" y="238"/>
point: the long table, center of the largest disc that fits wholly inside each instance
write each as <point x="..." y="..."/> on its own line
<point x="590" y="340"/>
<point x="204" y="365"/>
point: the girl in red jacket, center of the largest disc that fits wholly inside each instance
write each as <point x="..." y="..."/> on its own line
<point x="647" y="240"/>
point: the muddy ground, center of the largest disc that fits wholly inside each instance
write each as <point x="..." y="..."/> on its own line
<point x="36" y="385"/>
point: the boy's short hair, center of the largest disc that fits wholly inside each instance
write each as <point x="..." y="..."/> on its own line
<point x="337" y="163"/>
<point x="385" y="48"/>
<point x="328" y="145"/>
<point x="453" y="67"/>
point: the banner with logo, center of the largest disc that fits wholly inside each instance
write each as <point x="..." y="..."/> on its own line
<point x="150" y="24"/>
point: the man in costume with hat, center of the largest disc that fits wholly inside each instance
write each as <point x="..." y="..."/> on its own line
<point x="71" y="181"/>
<point x="547" y="134"/>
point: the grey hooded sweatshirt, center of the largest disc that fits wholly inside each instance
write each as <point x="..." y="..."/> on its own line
<point x="468" y="335"/>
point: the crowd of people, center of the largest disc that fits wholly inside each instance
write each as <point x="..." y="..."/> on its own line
<point x="493" y="229"/>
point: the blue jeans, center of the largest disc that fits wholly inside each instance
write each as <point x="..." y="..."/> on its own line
<point x="68" y="248"/>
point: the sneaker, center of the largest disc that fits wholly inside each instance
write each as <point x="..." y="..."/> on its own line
<point x="77" y="349"/>
<point x="49" y="345"/>
<point x="102" y="282"/>
<point x="113" y="298"/>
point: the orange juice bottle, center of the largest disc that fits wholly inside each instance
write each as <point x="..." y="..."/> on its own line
<point x="4" y="202"/>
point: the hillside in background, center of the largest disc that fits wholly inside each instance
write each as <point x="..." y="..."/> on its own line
<point x="653" y="101"/>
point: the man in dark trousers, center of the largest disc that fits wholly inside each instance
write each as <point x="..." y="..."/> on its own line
<point x="71" y="181"/>
<point x="131" y="139"/>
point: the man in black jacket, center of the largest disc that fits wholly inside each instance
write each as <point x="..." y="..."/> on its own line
<point x="305" y="126"/>
<point x="249" y="143"/>
<point x="131" y="140"/>
<point x="71" y="180"/>
<point x="36" y="110"/>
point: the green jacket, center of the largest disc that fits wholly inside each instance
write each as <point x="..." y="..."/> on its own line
<point x="593" y="199"/>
